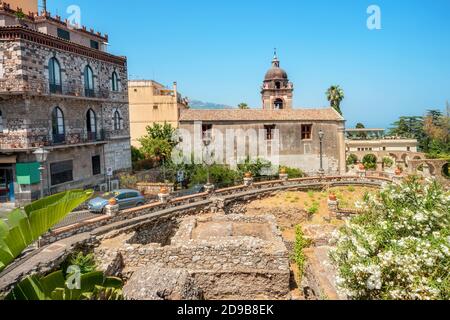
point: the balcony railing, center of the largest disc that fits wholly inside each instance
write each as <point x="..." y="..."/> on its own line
<point x="28" y="141"/>
<point x="44" y="87"/>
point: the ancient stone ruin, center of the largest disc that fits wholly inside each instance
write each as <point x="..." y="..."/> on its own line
<point x="209" y="257"/>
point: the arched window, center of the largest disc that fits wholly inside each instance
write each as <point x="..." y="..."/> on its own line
<point x="118" y="120"/>
<point x="114" y="82"/>
<point x="88" y="82"/>
<point x="278" y="104"/>
<point x="278" y="85"/>
<point x="59" y="130"/>
<point x="91" y="125"/>
<point x="1" y="122"/>
<point x="54" y="76"/>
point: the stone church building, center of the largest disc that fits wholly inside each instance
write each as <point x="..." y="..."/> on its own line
<point x="299" y="142"/>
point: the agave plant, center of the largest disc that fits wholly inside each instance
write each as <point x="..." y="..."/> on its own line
<point x="25" y="226"/>
<point x="93" y="286"/>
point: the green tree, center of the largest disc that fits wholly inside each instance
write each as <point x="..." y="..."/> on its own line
<point x="370" y="161"/>
<point x="361" y="134"/>
<point x="335" y="96"/>
<point x="159" y="142"/>
<point x="243" y="106"/>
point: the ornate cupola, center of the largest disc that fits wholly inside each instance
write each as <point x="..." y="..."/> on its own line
<point x="277" y="91"/>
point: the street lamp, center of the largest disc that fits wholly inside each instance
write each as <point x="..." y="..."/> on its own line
<point x="321" y="136"/>
<point x="41" y="156"/>
<point x="207" y="143"/>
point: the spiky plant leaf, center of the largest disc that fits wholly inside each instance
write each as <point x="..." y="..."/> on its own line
<point x="25" y="227"/>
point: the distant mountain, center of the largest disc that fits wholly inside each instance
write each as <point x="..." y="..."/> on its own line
<point x="197" y="104"/>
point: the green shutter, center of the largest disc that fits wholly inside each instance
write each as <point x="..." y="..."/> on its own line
<point x="28" y="173"/>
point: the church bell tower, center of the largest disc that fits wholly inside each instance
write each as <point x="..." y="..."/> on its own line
<point x="277" y="92"/>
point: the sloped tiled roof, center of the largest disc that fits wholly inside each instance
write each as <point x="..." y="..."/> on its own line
<point x="325" y="114"/>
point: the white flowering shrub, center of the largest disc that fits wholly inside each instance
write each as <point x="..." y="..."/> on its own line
<point x="399" y="248"/>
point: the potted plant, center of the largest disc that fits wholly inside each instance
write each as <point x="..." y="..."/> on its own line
<point x="112" y="202"/>
<point x="332" y="197"/>
<point x="283" y="170"/>
<point x="398" y="171"/>
<point x="248" y="175"/>
<point x="362" y="167"/>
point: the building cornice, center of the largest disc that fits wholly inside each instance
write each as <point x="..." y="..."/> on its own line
<point x="14" y="33"/>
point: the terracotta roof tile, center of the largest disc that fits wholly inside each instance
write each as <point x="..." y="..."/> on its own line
<point x="325" y="114"/>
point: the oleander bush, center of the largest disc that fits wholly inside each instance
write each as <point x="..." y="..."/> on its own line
<point x="399" y="248"/>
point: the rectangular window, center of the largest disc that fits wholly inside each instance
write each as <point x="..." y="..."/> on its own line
<point x="269" y="132"/>
<point x="207" y="131"/>
<point x="408" y="149"/>
<point x="96" y="166"/>
<point x="63" y="34"/>
<point x="61" y="172"/>
<point x="94" y="45"/>
<point x="307" y="132"/>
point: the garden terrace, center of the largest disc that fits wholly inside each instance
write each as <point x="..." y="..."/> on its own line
<point x="59" y="243"/>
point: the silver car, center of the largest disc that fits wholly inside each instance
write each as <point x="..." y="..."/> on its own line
<point x="126" y="198"/>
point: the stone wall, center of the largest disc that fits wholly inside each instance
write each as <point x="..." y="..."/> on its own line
<point x="245" y="264"/>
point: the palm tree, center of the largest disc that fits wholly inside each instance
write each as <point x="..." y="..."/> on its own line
<point x="335" y="95"/>
<point x="243" y="106"/>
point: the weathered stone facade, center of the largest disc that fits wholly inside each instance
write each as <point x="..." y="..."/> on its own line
<point x="244" y="254"/>
<point x="93" y="131"/>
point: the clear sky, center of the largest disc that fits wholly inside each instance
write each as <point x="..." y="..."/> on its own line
<point x="218" y="51"/>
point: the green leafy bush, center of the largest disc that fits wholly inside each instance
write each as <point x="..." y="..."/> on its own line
<point x="294" y="173"/>
<point x="301" y="243"/>
<point x="388" y="162"/>
<point x="399" y="248"/>
<point x="352" y="160"/>
<point x="370" y="161"/>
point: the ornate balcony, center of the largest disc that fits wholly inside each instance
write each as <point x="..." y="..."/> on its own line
<point x="46" y="88"/>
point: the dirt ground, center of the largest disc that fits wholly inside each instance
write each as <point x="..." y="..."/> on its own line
<point x="305" y="208"/>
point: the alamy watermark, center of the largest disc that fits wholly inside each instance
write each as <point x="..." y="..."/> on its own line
<point x="374" y="19"/>
<point x="232" y="147"/>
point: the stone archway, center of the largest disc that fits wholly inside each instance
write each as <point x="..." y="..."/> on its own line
<point x="431" y="167"/>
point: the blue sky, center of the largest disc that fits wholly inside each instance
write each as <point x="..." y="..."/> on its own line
<point x="219" y="50"/>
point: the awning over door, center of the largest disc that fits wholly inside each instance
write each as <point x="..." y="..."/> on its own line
<point x="8" y="159"/>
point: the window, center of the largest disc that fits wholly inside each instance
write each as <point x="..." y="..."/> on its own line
<point x="155" y="107"/>
<point x="408" y="149"/>
<point x="1" y="122"/>
<point x="94" y="45"/>
<point x="118" y="120"/>
<point x="59" y="130"/>
<point x="207" y="131"/>
<point x="278" y="85"/>
<point x="91" y="125"/>
<point x="61" y="172"/>
<point x="63" y="34"/>
<point x="278" y="104"/>
<point x="114" y="82"/>
<point x="269" y="132"/>
<point x="307" y="132"/>
<point x="96" y="166"/>
<point x="54" y="76"/>
<point x="88" y="82"/>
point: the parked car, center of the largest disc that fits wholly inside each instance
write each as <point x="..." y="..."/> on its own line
<point x="126" y="198"/>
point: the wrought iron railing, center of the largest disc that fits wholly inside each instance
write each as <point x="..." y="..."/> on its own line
<point x="45" y="87"/>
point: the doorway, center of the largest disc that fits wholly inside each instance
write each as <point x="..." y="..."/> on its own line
<point x="6" y="184"/>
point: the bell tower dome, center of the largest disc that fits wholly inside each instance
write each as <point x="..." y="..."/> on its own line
<point x="277" y="92"/>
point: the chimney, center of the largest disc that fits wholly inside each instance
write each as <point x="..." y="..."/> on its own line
<point x="175" y="91"/>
